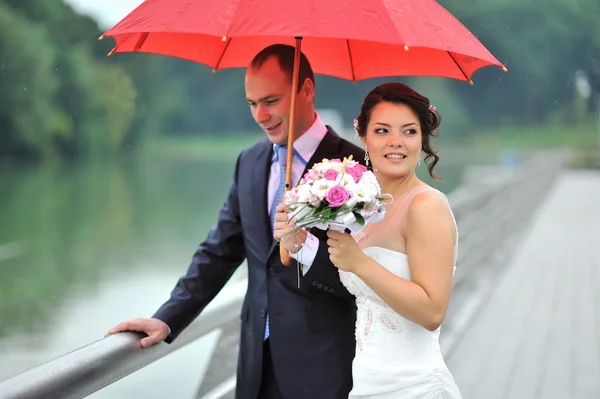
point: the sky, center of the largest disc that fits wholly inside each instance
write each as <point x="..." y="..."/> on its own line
<point x="105" y="12"/>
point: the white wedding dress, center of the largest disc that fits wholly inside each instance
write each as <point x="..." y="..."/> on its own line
<point x="395" y="358"/>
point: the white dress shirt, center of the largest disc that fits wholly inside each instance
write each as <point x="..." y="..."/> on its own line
<point x="304" y="148"/>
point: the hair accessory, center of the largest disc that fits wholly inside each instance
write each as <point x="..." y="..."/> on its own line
<point x="432" y="108"/>
<point x="356" y="127"/>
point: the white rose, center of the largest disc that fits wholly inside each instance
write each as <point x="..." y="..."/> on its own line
<point x="303" y="193"/>
<point x="347" y="181"/>
<point x="351" y="164"/>
<point x="326" y="165"/>
<point x="337" y="166"/>
<point x="369" y="177"/>
<point x="321" y="166"/>
<point x="320" y="187"/>
<point x="367" y="192"/>
<point x="314" y="200"/>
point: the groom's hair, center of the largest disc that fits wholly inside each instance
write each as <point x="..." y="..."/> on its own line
<point x="285" y="57"/>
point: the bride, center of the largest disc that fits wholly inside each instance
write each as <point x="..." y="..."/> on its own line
<point x="400" y="269"/>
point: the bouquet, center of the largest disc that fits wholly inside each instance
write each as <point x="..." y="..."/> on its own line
<point x="336" y="194"/>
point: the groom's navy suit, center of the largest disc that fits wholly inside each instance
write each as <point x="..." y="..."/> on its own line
<point x="312" y="327"/>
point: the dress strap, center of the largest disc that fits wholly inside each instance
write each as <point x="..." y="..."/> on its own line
<point x="410" y="196"/>
<point x="402" y="208"/>
<point x="406" y="199"/>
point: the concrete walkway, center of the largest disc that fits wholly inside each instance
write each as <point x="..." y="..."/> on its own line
<point x="538" y="336"/>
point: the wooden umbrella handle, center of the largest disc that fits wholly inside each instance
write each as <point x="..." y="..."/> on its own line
<point x="284" y="254"/>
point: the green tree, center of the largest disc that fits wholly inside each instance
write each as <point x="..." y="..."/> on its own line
<point x="29" y="118"/>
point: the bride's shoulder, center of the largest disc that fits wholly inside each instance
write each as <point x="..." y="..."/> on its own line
<point x="429" y="205"/>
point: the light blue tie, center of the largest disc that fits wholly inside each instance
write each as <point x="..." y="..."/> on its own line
<point x="281" y="158"/>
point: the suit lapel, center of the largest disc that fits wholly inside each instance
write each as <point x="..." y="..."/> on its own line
<point x="328" y="148"/>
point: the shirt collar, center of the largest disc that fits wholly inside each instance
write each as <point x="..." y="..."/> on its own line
<point x="306" y="145"/>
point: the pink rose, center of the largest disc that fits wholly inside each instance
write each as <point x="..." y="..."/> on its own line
<point x="337" y="196"/>
<point x="311" y="176"/>
<point x="292" y="197"/>
<point x="330" y="174"/>
<point x="356" y="172"/>
<point x="336" y="160"/>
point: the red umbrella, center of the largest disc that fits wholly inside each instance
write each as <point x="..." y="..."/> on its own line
<point x="348" y="39"/>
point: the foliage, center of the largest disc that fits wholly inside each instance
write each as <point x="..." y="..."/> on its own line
<point x="61" y="97"/>
<point x="58" y="97"/>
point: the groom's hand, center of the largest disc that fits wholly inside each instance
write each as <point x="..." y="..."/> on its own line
<point x="284" y="231"/>
<point x="157" y="330"/>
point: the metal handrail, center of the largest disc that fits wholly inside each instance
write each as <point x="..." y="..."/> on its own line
<point x="88" y="369"/>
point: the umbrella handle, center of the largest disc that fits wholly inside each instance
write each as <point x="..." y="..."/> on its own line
<point x="284" y="254"/>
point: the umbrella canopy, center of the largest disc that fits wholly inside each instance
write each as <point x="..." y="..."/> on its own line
<point x="348" y="39"/>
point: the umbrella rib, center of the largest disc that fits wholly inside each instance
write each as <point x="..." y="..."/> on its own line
<point x="140" y="41"/>
<point x="459" y="68"/>
<point x="118" y="44"/>
<point x="222" y="54"/>
<point x="351" y="62"/>
<point x="137" y="46"/>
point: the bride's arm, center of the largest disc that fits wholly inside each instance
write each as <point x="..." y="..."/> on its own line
<point x="430" y="248"/>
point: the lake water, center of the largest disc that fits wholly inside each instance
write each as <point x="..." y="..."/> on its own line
<point x="85" y="247"/>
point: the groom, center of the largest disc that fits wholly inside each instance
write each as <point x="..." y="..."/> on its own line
<point x="295" y="342"/>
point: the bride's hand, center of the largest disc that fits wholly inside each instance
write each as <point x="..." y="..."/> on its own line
<point x="344" y="252"/>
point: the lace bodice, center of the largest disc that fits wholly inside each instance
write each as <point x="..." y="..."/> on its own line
<point x="374" y="316"/>
<point x="373" y="313"/>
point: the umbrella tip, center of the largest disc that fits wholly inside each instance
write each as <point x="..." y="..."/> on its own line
<point x="224" y="39"/>
<point x="471" y="82"/>
<point x="110" y="52"/>
<point x="214" y="71"/>
<point x="504" y="68"/>
<point x="101" y="37"/>
<point x="405" y="47"/>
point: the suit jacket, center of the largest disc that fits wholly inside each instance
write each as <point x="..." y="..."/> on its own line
<point x="311" y="327"/>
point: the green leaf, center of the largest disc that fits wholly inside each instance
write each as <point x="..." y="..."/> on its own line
<point x="359" y="219"/>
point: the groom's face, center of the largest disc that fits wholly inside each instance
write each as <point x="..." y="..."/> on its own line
<point x="268" y="92"/>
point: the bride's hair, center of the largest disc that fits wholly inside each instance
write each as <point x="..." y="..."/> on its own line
<point x="400" y="93"/>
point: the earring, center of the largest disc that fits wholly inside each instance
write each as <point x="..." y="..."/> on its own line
<point x="366" y="157"/>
